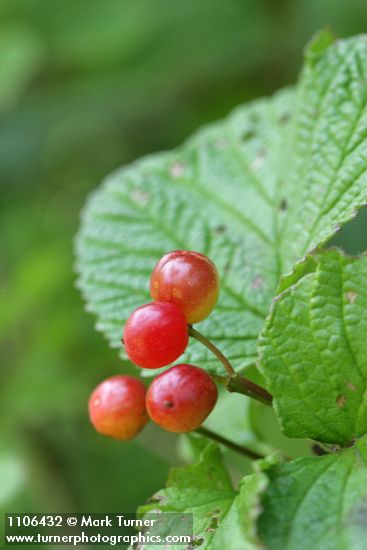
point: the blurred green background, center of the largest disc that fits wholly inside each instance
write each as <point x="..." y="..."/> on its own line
<point x="85" y="87"/>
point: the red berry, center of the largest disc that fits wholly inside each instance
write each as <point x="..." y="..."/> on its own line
<point x="189" y="280"/>
<point x="117" y="407"/>
<point x="155" y="335"/>
<point x="181" y="398"/>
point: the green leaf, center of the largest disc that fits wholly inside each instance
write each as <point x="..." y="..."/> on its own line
<point x="317" y="503"/>
<point x="328" y="177"/>
<point x="223" y="518"/>
<point x="254" y="192"/>
<point x="205" y="196"/>
<point x="314" y="351"/>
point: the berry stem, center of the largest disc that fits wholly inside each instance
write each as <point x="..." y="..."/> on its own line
<point x="207" y="343"/>
<point x="234" y="382"/>
<point x="233" y="446"/>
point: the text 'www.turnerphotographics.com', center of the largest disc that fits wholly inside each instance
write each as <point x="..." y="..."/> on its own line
<point x="112" y="529"/>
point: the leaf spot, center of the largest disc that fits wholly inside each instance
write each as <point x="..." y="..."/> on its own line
<point x="177" y="170"/>
<point x="139" y="196"/>
<point x="157" y="498"/>
<point x="283" y="205"/>
<point x="257" y="283"/>
<point x="213" y="525"/>
<point x="341" y="400"/>
<point x="221" y="144"/>
<point x="195" y="543"/>
<point x="221" y="229"/>
<point x="351" y="296"/>
<point x="284" y="118"/>
<point x="249" y="134"/>
<point x="214" y="512"/>
<point x="351" y="386"/>
<point x="259" y="160"/>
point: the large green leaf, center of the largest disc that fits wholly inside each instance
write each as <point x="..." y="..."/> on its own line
<point x="329" y="168"/>
<point x="254" y="192"/>
<point x="317" y="503"/>
<point x="223" y="518"/>
<point x="314" y="351"/>
<point x="206" y="196"/>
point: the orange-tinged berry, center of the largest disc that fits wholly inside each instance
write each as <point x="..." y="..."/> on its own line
<point x="189" y="280"/>
<point x="117" y="407"/>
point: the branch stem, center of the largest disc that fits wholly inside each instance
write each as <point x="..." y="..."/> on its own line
<point x="240" y="384"/>
<point x="208" y="344"/>
<point x="233" y="446"/>
<point x="233" y="382"/>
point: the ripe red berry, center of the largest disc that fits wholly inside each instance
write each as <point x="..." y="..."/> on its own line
<point x="155" y="335"/>
<point x="117" y="407"/>
<point x="189" y="280"/>
<point x="181" y="398"/>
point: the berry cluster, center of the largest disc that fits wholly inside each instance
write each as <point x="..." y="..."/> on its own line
<point x="184" y="286"/>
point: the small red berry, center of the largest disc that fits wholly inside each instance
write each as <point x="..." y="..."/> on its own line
<point x="117" y="407"/>
<point x="155" y="335"/>
<point x="189" y="280"/>
<point x="180" y="399"/>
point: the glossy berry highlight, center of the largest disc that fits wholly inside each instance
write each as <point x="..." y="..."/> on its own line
<point x="155" y="335"/>
<point x="180" y="399"/>
<point x="117" y="407"/>
<point x="189" y="280"/>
